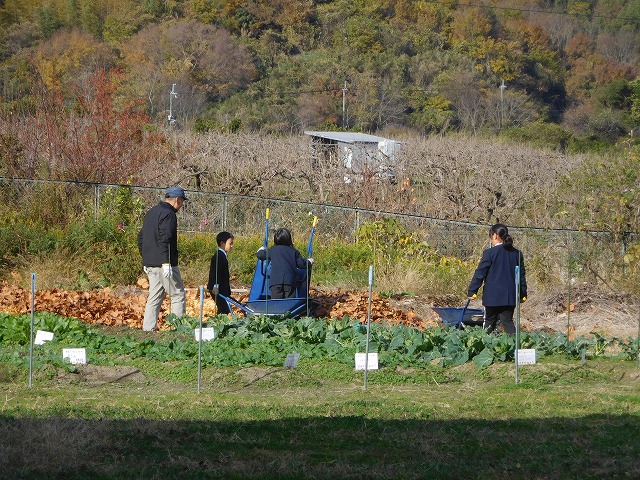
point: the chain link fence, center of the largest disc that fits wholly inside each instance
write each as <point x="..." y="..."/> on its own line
<point x="552" y="255"/>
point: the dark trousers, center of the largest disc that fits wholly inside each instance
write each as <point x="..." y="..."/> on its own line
<point x="502" y="315"/>
<point x="221" y="303"/>
<point x="282" y="291"/>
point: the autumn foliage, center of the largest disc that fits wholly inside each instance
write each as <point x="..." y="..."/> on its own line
<point x="86" y="135"/>
<point x="281" y="66"/>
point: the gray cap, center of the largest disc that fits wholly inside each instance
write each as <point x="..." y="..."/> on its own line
<point x="175" y="192"/>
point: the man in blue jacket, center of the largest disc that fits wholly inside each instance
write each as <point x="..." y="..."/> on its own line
<point x="158" y="246"/>
<point x="496" y="270"/>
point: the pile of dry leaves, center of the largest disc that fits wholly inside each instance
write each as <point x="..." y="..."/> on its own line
<point x="126" y="306"/>
<point x="588" y="312"/>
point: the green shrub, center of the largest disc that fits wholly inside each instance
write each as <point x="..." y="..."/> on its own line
<point x="18" y="237"/>
<point x="338" y="263"/>
<point x="539" y="134"/>
<point x="404" y="262"/>
<point x="196" y="247"/>
<point x="588" y="144"/>
<point x="389" y="239"/>
<point x="107" y="248"/>
<point x="449" y="275"/>
<point x="119" y="205"/>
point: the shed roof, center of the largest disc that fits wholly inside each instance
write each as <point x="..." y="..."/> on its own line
<point x="347" y="137"/>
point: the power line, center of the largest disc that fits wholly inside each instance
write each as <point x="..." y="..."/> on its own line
<point x="530" y="10"/>
<point x="297" y="92"/>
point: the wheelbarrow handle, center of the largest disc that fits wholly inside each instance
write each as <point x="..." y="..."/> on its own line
<point x="464" y="309"/>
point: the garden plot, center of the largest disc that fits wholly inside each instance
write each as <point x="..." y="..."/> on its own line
<point x="587" y="312"/>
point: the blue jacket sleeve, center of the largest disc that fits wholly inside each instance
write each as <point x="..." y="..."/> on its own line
<point x="301" y="262"/>
<point x="480" y="274"/>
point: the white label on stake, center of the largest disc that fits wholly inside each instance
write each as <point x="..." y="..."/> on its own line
<point x="76" y="356"/>
<point x="292" y="360"/>
<point x="43" y="336"/>
<point x="207" y="334"/>
<point x="526" y="356"/>
<point x="361" y="359"/>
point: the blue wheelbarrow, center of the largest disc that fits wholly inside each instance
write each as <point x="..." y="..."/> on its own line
<point x="260" y="301"/>
<point x="459" y="317"/>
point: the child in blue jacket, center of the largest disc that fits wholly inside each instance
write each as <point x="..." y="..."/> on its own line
<point x="285" y="260"/>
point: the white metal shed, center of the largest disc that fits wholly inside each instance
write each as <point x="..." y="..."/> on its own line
<point x="356" y="152"/>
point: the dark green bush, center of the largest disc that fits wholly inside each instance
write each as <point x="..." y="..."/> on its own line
<point x="109" y="249"/>
<point x="539" y="134"/>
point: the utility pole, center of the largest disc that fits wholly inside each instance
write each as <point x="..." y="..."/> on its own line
<point x="344" y="95"/>
<point x="502" y="87"/>
<point x="172" y="94"/>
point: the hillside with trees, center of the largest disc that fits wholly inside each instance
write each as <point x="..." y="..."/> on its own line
<point x="562" y="73"/>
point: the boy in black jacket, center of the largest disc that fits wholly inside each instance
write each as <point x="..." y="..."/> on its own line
<point x="219" y="282"/>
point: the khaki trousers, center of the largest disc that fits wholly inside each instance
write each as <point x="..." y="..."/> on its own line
<point x="159" y="286"/>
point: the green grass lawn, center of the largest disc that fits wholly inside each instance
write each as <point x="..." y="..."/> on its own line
<point x="564" y="420"/>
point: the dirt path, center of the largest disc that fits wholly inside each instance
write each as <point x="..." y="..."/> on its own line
<point x="611" y="315"/>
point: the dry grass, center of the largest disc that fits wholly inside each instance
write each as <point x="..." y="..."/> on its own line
<point x="69" y="271"/>
<point x="62" y="445"/>
<point x="390" y="278"/>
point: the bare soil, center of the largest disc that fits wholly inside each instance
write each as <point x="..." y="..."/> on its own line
<point x="586" y="312"/>
<point x="96" y="375"/>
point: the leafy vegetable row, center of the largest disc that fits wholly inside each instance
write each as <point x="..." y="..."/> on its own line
<point x="260" y="340"/>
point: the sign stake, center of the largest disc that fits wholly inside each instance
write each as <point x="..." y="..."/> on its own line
<point x="33" y="296"/>
<point x="517" y="318"/>
<point x="200" y="340"/>
<point x="366" y="357"/>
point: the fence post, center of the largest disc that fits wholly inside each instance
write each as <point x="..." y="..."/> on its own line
<point x="224" y="211"/>
<point x="96" y="201"/>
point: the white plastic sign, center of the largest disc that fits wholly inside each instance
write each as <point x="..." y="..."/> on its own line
<point x="76" y="356"/>
<point x="361" y="359"/>
<point x="526" y="356"/>
<point x="207" y="334"/>
<point x="292" y="360"/>
<point x="43" y="336"/>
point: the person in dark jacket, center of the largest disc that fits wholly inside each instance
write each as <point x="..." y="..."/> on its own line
<point x="497" y="270"/>
<point x="158" y="246"/>
<point x="284" y="260"/>
<point x="219" y="280"/>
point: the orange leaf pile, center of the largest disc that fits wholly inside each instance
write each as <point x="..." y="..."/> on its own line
<point x="355" y="304"/>
<point x="111" y="308"/>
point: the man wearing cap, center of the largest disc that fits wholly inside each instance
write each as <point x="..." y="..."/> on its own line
<point x="158" y="245"/>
